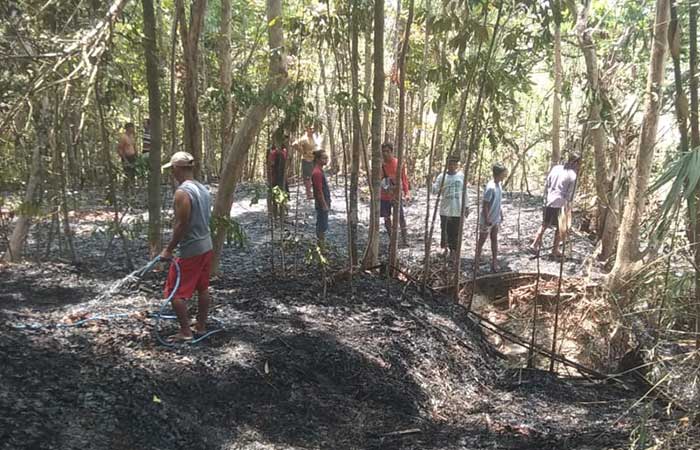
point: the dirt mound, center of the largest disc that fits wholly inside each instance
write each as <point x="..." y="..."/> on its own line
<point x="370" y="365"/>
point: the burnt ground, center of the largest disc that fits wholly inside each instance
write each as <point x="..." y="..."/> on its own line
<point x="369" y="364"/>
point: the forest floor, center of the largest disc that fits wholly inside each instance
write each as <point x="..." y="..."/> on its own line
<point x="300" y="363"/>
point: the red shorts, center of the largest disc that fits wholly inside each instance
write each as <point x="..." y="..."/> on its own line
<point x="194" y="275"/>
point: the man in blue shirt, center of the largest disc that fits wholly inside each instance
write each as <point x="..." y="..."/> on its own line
<point x="491" y="215"/>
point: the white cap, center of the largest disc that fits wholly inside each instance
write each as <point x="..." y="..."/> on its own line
<point x="180" y="159"/>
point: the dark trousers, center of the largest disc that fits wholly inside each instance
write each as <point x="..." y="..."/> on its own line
<point x="450" y="232"/>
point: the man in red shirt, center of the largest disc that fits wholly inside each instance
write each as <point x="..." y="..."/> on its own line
<point x="388" y="194"/>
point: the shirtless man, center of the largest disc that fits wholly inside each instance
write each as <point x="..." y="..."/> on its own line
<point x="127" y="152"/>
<point x="306" y="145"/>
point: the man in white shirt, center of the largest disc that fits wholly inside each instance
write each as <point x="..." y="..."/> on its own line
<point x="558" y="195"/>
<point x="450" y="203"/>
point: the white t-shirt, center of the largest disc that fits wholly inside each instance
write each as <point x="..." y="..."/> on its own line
<point x="560" y="186"/>
<point x="492" y="196"/>
<point x="451" y="199"/>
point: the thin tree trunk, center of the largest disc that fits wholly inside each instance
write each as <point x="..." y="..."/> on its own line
<point x="190" y="49"/>
<point x="556" y="98"/>
<point x="371" y="257"/>
<point x="628" y="258"/>
<point x="695" y="143"/>
<point x="330" y="114"/>
<point x="225" y="72"/>
<point x="367" y="89"/>
<point x="390" y="128"/>
<point x="674" y="42"/>
<point x="173" y="84"/>
<point x="596" y="129"/>
<point x="42" y="122"/>
<point x="423" y="89"/>
<point x="150" y="46"/>
<point x="250" y="127"/>
<point x="356" y="131"/>
<point x="393" y="260"/>
<point x="111" y="177"/>
<point x="473" y="143"/>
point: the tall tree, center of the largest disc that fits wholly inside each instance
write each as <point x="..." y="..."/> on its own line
<point x="628" y="258"/>
<point x="250" y="127"/>
<point x="371" y="257"/>
<point x="400" y="153"/>
<point x="695" y="143"/>
<point x="674" y="43"/>
<point x="225" y="72"/>
<point x="173" y="83"/>
<point x="390" y="128"/>
<point x="41" y="116"/>
<point x="595" y="126"/>
<point x="356" y="131"/>
<point x="150" y="47"/>
<point x="556" y="97"/>
<point x="189" y="34"/>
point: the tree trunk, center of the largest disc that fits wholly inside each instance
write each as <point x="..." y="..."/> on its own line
<point x="390" y="128"/>
<point x="356" y="131"/>
<point x="190" y="49"/>
<point x="628" y="258"/>
<point x="371" y="257"/>
<point x="42" y="122"/>
<point x="150" y="46"/>
<point x="695" y="143"/>
<point x="674" y="43"/>
<point x="173" y="84"/>
<point x="330" y="115"/>
<point x="423" y="89"/>
<point x="250" y="127"/>
<point x="401" y="67"/>
<point x="596" y="129"/>
<point x="367" y="89"/>
<point x="225" y="77"/>
<point x="693" y="75"/>
<point x="556" y="98"/>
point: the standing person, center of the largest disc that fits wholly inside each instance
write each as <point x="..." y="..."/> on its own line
<point x="450" y="204"/>
<point x="558" y="195"/>
<point x="388" y="194"/>
<point x="306" y="146"/>
<point x="277" y="176"/>
<point x="491" y="215"/>
<point x="147" y="136"/>
<point x="192" y="239"/>
<point x="127" y="153"/>
<point x="322" y="195"/>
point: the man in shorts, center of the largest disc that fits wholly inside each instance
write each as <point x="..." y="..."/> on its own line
<point x="126" y="149"/>
<point x="322" y="195"/>
<point x="388" y="190"/>
<point x="306" y="145"/>
<point x="491" y="215"/>
<point x="193" y="241"/>
<point x="558" y="194"/>
<point x="451" y="184"/>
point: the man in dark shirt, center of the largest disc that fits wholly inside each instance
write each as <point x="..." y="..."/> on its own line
<point x="322" y="195"/>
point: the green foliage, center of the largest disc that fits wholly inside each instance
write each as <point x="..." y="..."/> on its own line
<point x="279" y="196"/>
<point x="314" y="255"/>
<point x="683" y="174"/>
<point x="235" y="234"/>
